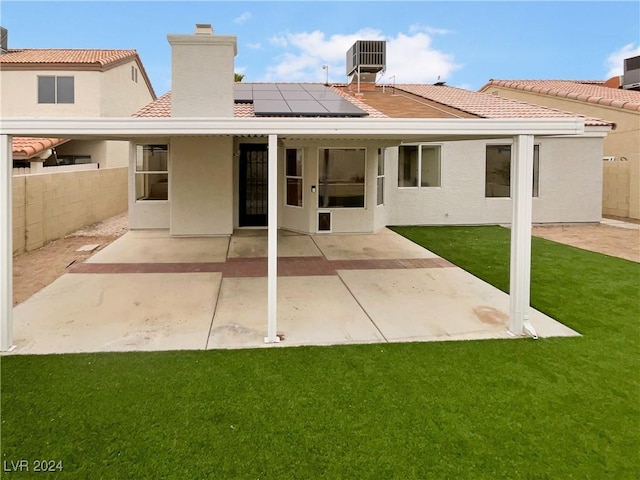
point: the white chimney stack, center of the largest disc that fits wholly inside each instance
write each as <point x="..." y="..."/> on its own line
<point x="202" y="73"/>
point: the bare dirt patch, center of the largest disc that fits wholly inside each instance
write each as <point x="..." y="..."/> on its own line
<point x="614" y="241"/>
<point x="32" y="271"/>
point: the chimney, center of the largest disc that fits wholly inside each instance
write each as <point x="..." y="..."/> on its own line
<point x="4" y="38"/>
<point x="202" y="73"/>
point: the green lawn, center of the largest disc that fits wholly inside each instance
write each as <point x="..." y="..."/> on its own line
<point x="551" y="408"/>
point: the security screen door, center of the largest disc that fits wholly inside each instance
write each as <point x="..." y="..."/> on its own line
<point x="253" y="185"/>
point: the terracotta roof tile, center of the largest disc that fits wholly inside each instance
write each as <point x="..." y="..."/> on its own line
<point x="67" y="56"/>
<point x="584" y="91"/>
<point x="27" y="147"/>
<point x="488" y="106"/>
<point x="162" y="108"/>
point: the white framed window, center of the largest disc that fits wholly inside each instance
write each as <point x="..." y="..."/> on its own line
<point x="380" y="178"/>
<point x="498" y="171"/>
<point x="293" y="165"/>
<point x="419" y="166"/>
<point x="152" y="172"/>
<point x="56" y="89"/>
<point x="341" y="177"/>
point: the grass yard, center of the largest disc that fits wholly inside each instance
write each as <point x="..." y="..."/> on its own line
<point x="550" y="409"/>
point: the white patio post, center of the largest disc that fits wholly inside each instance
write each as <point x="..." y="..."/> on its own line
<point x="521" y="217"/>
<point x="272" y="267"/>
<point x="6" y="244"/>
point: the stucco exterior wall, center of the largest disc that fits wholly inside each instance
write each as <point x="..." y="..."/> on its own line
<point x="51" y="205"/>
<point x="624" y="141"/>
<point x="570" y="186"/>
<point x="122" y="96"/>
<point x="201" y="186"/>
<point x="616" y="187"/>
<point x="19" y="95"/>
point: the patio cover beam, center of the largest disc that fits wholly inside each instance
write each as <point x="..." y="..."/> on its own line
<point x="374" y="128"/>
<point x="272" y="222"/>
<point x="521" y="218"/>
<point x="6" y="247"/>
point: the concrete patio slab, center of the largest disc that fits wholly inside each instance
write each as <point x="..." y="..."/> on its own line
<point x="156" y="246"/>
<point x="288" y="246"/>
<point x="311" y="311"/>
<point x="123" y="312"/>
<point x="437" y="304"/>
<point x="385" y="244"/>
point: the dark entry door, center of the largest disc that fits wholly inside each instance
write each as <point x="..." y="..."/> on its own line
<point x="253" y="185"/>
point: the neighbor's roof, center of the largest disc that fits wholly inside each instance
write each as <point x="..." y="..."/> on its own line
<point x="582" y="90"/>
<point x="67" y="56"/>
<point x="489" y="106"/>
<point x="27" y="147"/>
<point x="70" y="59"/>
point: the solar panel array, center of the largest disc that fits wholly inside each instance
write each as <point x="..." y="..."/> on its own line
<point x="295" y="100"/>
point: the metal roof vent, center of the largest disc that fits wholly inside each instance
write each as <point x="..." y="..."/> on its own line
<point x="4" y="39"/>
<point x="631" y="76"/>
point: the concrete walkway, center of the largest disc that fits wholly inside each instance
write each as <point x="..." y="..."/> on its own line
<point x="147" y="291"/>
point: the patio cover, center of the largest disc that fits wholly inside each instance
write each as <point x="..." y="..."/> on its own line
<point x="387" y="130"/>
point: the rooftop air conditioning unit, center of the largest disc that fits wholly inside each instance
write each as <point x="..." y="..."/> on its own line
<point x="631" y="76"/>
<point x="367" y="56"/>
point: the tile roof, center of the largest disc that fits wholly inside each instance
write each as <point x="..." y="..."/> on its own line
<point x="467" y="102"/>
<point x="488" y="106"/>
<point x="582" y="90"/>
<point x="27" y="147"/>
<point x="162" y="107"/>
<point x="35" y="56"/>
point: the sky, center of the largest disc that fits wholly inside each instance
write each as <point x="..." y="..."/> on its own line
<point x="462" y="43"/>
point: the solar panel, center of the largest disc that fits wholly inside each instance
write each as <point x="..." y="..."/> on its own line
<point x="296" y="95"/>
<point x="295" y="100"/>
<point x="271" y="107"/>
<point x="267" y="95"/>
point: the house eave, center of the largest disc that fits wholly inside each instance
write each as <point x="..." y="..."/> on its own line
<point x="362" y="128"/>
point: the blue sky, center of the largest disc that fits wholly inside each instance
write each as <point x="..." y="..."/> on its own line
<point x="465" y="43"/>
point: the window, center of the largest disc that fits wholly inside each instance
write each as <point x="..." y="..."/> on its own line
<point x="380" y="179"/>
<point x="293" y="176"/>
<point x="341" y="178"/>
<point x="52" y="89"/>
<point x="419" y="162"/>
<point x="152" y="174"/>
<point x="498" y="170"/>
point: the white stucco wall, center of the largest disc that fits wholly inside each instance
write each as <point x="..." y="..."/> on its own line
<point x="121" y="96"/>
<point x="202" y="68"/>
<point x="19" y="95"/>
<point x="201" y="186"/>
<point x="570" y="186"/>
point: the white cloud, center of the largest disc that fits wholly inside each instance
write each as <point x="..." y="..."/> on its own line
<point x="242" y="18"/>
<point x="410" y="57"/>
<point x="614" y="61"/>
<point x="254" y="46"/>
<point x="430" y="30"/>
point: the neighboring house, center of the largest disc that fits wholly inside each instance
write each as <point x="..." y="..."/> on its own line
<point x="215" y="155"/>
<point x="89" y="181"/>
<point x="620" y="106"/>
<point x="75" y="83"/>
